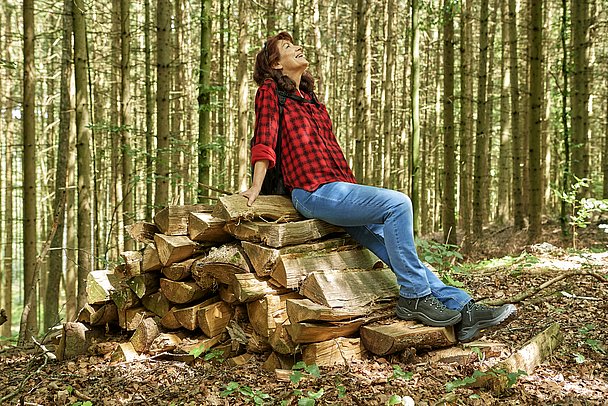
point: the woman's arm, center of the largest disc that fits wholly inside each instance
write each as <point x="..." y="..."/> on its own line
<point x="259" y="173"/>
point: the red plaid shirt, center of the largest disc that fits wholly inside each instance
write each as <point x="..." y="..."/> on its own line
<point x="310" y="154"/>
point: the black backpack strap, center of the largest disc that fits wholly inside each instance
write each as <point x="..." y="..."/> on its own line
<point x="282" y="96"/>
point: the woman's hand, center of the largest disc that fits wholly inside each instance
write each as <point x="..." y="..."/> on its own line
<point x="251" y="194"/>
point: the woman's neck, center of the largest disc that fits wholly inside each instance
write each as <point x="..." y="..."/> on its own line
<point x="295" y="76"/>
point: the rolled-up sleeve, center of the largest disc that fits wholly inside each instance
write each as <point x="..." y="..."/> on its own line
<point x="266" y="124"/>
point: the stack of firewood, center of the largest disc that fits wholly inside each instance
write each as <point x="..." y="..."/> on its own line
<point x="246" y="280"/>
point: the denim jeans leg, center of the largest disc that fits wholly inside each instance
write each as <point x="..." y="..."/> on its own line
<point x="372" y="237"/>
<point x="352" y="205"/>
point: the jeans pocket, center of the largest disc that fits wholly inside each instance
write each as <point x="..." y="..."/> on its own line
<point x="299" y="198"/>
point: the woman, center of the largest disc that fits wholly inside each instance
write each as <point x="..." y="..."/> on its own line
<point x="323" y="186"/>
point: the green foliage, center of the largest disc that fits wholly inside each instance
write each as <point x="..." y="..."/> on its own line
<point x="399" y="400"/>
<point x="399" y="373"/>
<point x="578" y="358"/>
<point x="300" y="368"/>
<point x="443" y="257"/>
<point x="258" y="397"/>
<point x="458" y="383"/>
<point x="595" y="345"/>
<point x="210" y="354"/>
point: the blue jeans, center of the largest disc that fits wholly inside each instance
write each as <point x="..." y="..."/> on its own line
<point x="381" y="220"/>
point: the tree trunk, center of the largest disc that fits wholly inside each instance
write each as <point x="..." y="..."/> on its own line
<point x="414" y="161"/>
<point x="29" y="171"/>
<point x="319" y="79"/>
<point x="163" y="40"/>
<point x="149" y="114"/>
<point x="128" y="188"/>
<point x="115" y="179"/>
<point x="387" y="91"/>
<point x="243" y="92"/>
<point x="204" y="103"/>
<point x="83" y="148"/>
<point x="466" y="117"/>
<point x="534" y="121"/>
<point x="449" y="153"/>
<point x="51" y="302"/>
<point x="502" y="204"/>
<point x="362" y="89"/>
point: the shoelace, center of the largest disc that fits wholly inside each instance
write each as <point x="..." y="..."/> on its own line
<point x="435" y="303"/>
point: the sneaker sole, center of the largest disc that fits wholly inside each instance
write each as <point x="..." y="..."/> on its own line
<point x="468" y="333"/>
<point x="426" y="320"/>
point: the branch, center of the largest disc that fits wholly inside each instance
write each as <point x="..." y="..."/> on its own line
<point x="532" y="291"/>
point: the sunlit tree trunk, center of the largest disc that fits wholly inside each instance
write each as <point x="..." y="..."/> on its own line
<point x="503" y="198"/>
<point x="271" y="17"/>
<point x="29" y="175"/>
<point x="115" y="179"/>
<point x="605" y="151"/>
<point x="51" y="303"/>
<point x="220" y="154"/>
<point x="449" y="143"/>
<point x="178" y="137"/>
<point x="83" y="148"/>
<point x="149" y="113"/>
<point x="362" y="90"/>
<point x="163" y="41"/>
<point x="579" y="91"/>
<point x="204" y="103"/>
<point x="319" y="79"/>
<point x="295" y="18"/>
<point x="387" y="91"/>
<point x="414" y="157"/>
<point x="534" y="120"/>
<point x="128" y="187"/>
<point x="243" y="92"/>
<point x="466" y="118"/>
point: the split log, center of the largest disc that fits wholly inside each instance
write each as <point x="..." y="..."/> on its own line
<point x="468" y="354"/>
<point x="526" y="359"/>
<point x="179" y="271"/>
<point x="124" y="298"/>
<point x="244" y="230"/>
<point x="99" y="286"/>
<point x="124" y="352"/>
<point x="268" y="207"/>
<point x="132" y="262"/>
<point x="151" y="261"/>
<point x="106" y="314"/>
<point x="239" y="360"/>
<point x="144" y="284"/>
<point x="281" y="234"/>
<point x="142" y="231"/>
<point x="188" y="316"/>
<point x="181" y="292"/>
<point x="247" y="287"/>
<point x="174" y="248"/>
<point x="353" y="288"/>
<point x="165" y="342"/>
<point x="280" y="340"/>
<point x="264" y="258"/>
<point x="388" y="338"/>
<point x="339" y="351"/>
<point x="74" y="341"/>
<point x="306" y="310"/>
<point x="291" y="269"/>
<point x="130" y="318"/>
<point x="173" y="220"/>
<point x="227" y="294"/>
<point x="214" y="318"/>
<point x="205" y="227"/>
<point x="278" y="362"/>
<point x="256" y="343"/>
<point x="169" y="321"/>
<point x="157" y="303"/>
<point x="222" y="263"/>
<point x="266" y="313"/>
<point x="144" y="335"/>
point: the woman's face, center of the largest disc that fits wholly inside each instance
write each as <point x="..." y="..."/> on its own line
<point x="291" y="58"/>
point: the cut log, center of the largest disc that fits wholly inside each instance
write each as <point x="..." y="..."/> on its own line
<point x="266" y="313"/>
<point x="174" y="248"/>
<point x="264" y="258"/>
<point x="526" y="359"/>
<point x="145" y="333"/>
<point x="390" y="337"/>
<point x="268" y="207"/>
<point x="350" y="288"/>
<point x="281" y="234"/>
<point x="291" y="269"/>
<point x="278" y="361"/>
<point x="280" y="340"/>
<point x="248" y="287"/>
<point x="132" y="262"/>
<point x="339" y="351"/>
<point x="179" y="271"/>
<point x="173" y="220"/>
<point x="144" y="284"/>
<point x="205" y="227"/>
<point x="221" y="264"/>
<point x="169" y="321"/>
<point x="239" y="360"/>
<point x="124" y="352"/>
<point x="181" y="292"/>
<point x="214" y="318"/>
<point x="306" y="310"/>
<point x="130" y="318"/>
<point x="74" y="341"/>
<point x="244" y="230"/>
<point x="188" y="316"/>
<point x="106" y="314"/>
<point x="468" y="354"/>
<point x="157" y="303"/>
<point x="124" y="298"/>
<point x="142" y="231"/>
<point x="165" y="342"/>
<point x="256" y="343"/>
<point x="99" y="286"/>
<point x="151" y="261"/>
<point x="227" y="295"/>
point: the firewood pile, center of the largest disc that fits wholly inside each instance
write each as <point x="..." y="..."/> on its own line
<point x="245" y="280"/>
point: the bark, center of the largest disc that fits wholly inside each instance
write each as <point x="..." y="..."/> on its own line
<point x="387" y="92"/>
<point x="163" y="40"/>
<point x="204" y="102"/>
<point x="414" y="162"/>
<point x="128" y="204"/>
<point x="362" y="88"/>
<point x="466" y="117"/>
<point x="243" y="96"/>
<point x="503" y="198"/>
<point x="149" y="113"/>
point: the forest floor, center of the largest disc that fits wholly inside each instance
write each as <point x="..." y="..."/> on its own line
<point x="576" y="373"/>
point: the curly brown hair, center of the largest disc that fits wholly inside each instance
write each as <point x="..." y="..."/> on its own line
<point x="268" y="56"/>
